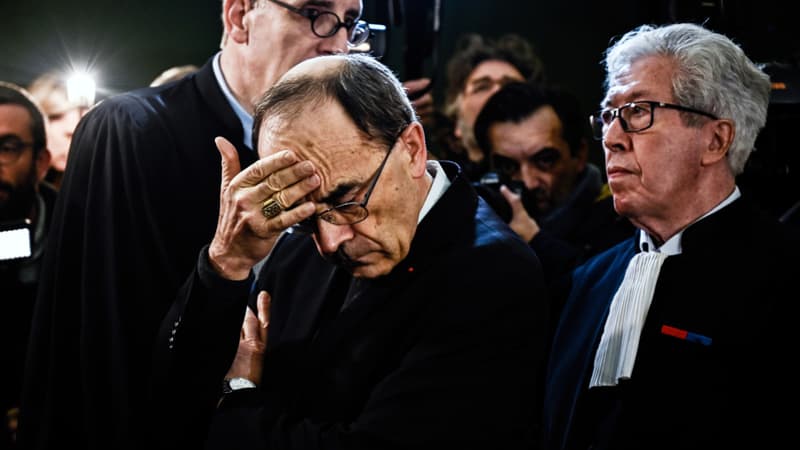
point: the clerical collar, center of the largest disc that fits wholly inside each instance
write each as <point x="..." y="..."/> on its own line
<point x="439" y="185"/>
<point x="244" y="117"/>
<point x="673" y="245"/>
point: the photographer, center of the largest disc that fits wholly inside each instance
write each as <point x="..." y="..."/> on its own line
<point x="553" y="197"/>
<point x="26" y="204"/>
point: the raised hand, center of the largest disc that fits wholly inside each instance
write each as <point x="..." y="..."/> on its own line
<point x="246" y="229"/>
<point x="521" y="222"/>
<point x="248" y="362"/>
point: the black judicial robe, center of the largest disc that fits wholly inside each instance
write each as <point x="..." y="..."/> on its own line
<point x="139" y="199"/>
<point x="441" y="353"/>
<point x="715" y="363"/>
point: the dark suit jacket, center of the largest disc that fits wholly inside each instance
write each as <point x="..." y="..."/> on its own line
<point x="139" y="199"/>
<point x="440" y="353"/>
<point x="19" y="279"/>
<point x="730" y="285"/>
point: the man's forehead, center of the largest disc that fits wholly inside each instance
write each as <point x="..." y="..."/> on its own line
<point x="14" y="119"/>
<point x="494" y="69"/>
<point x="326" y="138"/>
<point x="647" y="78"/>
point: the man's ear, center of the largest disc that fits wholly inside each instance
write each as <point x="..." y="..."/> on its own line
<point x="413" y="139"/>
<point x="42" y="163"/>
<point x="233" y="12"/>
<point x="720" y="137"/>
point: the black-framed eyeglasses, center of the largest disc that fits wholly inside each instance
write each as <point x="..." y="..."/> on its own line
<point x="325" y="24"/>
<point x="347" y="213"/>
<point x="11" y="148"/>
<point x="634" y="116"/>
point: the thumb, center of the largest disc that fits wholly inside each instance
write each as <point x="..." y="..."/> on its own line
<point x="263" y="303"/>
<point x="263" y="308"/>
<point x="513" y="199"/>
<point x="230" y="160"/>
<point x="250" y="324"/>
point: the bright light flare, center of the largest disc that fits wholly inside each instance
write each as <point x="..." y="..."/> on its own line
<point x="81" y="89"/>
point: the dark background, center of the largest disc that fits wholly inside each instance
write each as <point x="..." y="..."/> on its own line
<point x="128" y="43"/>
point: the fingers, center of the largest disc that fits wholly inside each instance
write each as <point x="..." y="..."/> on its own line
<point x="424" y="108"/>
<point x="290" y="185"/>
<point x="263" y="304"/>
<point x="418" y="92"/>
<point x="254" y="327"/>
<point x="264" y="170"/>
<point x="250" y="326"/>
<point x="521" y="222"/>
<point x="413" y="86"/>
<point x="512" y="198"/>
<point x="281" y="175"/>
<point x="230" y="160"/>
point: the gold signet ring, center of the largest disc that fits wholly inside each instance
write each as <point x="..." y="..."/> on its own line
<point x="271" y="208"/>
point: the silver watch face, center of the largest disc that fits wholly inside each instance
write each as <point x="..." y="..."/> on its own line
<point x="234" y="384"/>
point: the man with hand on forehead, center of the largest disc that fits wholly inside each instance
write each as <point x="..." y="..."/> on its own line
<point x="391" y="311"/>
<point x="138" y="201"/>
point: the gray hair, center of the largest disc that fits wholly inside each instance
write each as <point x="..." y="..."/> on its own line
<point x="712" y="74"/>
<point x="369" y="92"/>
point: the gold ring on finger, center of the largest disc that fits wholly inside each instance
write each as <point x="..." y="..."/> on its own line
<point x="271" y="208"/>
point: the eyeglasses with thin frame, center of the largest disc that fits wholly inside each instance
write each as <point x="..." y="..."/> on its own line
<point x="634" y="116"/>
<point x="347" y="213"/>
<point x="325" y="24"/>
<point x="11" y="148"/>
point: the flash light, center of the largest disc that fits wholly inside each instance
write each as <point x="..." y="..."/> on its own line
<point x="81" y="89"/>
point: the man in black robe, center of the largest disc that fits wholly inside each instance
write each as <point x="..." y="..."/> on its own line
<point x="139" y="199"/>
<point x="26" y="206"/>
<point x="682" y="336"/>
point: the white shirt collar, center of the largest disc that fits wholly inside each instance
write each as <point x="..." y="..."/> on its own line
<point x="673" y="245"/>
<point x="439" y="185"/>
<point x="244" y="117"/>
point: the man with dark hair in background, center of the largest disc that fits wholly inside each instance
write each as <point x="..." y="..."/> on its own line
<point x="26" y="206"/>
<point x="536" y="144"/>
<point x="476" y="70"/>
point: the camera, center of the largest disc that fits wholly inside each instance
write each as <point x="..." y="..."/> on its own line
<point x="488" y="188"/>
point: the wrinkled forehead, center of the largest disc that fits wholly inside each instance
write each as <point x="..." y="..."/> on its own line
<point x="326" y="136"/>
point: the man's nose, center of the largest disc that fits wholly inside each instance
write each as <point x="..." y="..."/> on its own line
<point x="330" y="236"/>
<point x="531" y="176"/>
<point x="336" y="44"/>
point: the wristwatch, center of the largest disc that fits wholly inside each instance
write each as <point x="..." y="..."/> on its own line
<point x="234" y="384"/>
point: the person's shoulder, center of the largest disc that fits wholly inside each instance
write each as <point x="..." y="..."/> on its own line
<point x="142" y="105"/>
<point x="135" y="107"/>
<point x="600" y="263"/>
